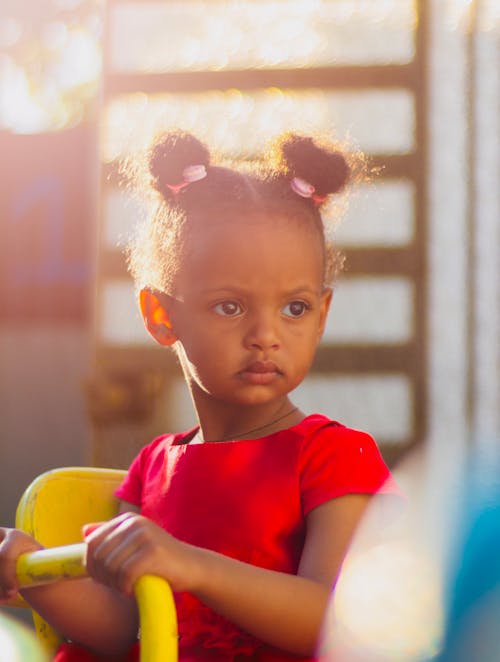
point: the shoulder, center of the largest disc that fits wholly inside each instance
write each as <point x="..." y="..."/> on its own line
<point x="148" y="465"/>
<point x="336" y="461"/>
<point x="160" y="445"/>
<point x="320" y="432"/>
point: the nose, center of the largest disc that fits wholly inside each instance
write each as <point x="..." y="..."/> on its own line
<point x="262" y="332"/>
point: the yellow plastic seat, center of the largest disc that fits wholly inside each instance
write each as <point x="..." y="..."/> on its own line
<point x="53" y="510"/>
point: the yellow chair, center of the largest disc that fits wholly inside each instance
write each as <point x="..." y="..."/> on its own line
<point x="53" y="510"/>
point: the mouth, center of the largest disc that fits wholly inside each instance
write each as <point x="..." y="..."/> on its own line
<point x="261" y="367"/>
<point x="260" y="372"/>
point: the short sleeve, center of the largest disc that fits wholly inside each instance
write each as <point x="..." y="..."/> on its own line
<point x="146" y="467"/>
<point x="131" y="488"/>
<point x="336" y="461"/>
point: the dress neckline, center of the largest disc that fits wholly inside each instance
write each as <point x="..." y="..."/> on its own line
<point x="185" y="439"/>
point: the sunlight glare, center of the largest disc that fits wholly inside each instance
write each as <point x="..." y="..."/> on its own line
<point x="19" y="108"/>
<point x="260" y="34"/>
<point x="54" y="35"/>
<point x="10" y="32"/>
<point x="80" y="63"/>
<point x="51" y="96"/>
<point x="387" y="604"/>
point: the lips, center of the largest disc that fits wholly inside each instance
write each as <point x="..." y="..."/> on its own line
<point x="260" y="373"/>
<point x="261" y="367"/>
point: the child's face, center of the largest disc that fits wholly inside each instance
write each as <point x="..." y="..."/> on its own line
<point x="249" y="309"/>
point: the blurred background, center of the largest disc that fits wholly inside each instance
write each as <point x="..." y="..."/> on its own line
<point x="412" y="348"/>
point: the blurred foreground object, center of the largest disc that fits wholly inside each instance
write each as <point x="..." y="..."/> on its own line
<point x="18" y="643"/>
<point x="426" y="586"/>
<point x="472" y="631"/>
<point x="388" y="605"/>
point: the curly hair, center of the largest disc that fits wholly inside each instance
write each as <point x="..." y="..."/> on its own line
<point x="294" y="179"/>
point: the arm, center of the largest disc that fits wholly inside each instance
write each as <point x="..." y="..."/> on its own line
<point x="86" y="612"/>
<point x="284" y="610"/>
<point x="281" y="609"/>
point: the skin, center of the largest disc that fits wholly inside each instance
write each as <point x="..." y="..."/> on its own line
<point x="245" y="319"/>
<point x="242" y="303"/>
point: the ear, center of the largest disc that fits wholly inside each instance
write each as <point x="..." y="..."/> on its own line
<point x="326" y="299"/>
<point x="156" y="318"/>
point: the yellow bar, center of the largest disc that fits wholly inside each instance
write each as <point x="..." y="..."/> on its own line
<point x="52" y="564"/>
<point x="158" y="619"/>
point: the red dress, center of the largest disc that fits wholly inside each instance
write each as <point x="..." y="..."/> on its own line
<point x="246" y="499"/>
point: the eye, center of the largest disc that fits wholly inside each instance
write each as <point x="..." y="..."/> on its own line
<point x="228" y="308"/>
<point x="295" y="308"/>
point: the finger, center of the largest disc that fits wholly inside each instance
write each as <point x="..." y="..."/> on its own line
<point x="13" y="544"/>
<point x="8" y="589"/>
<point x="87" y="529"/>
<point x="8" y="576"/>
<point x="93" y="530"/>
<point x="107" y="549"/>
<point x="131" y="569"/>
<point x="146" y="553"/>
<point x="8" y="595"/>
<point x="114" y="566"/>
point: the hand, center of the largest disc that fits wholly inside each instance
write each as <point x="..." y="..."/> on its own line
<point x="129" y="546"/>
<point x="13" y="543"/>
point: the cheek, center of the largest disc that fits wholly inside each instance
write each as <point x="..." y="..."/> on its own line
<point x="202" y="352"/>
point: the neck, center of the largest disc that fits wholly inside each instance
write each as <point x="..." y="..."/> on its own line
<point x="221" y="421"/>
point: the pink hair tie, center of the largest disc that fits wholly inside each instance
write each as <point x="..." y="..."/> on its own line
<point x="319" y="199"/>
<point x="194" y="173"/>
<point x="190" y="174"/>
<point x="302" y="188"/>
<point x="306" y="190"/>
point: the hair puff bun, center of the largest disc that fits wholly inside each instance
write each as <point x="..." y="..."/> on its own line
<point x="300" y="156"/>
<point x="170" y="155"/>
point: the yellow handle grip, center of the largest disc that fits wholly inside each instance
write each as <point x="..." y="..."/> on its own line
<point x="156" y="604"/>
<point x="159" y="641"/>
<point x="50" y="565"/>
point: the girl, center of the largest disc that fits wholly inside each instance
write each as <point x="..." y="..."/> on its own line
<point x="248" y="515"/>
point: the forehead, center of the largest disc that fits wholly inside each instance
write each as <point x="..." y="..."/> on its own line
<point x="254" y="249"/>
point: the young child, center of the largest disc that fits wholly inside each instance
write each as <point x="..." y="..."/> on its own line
<point x="248" y="515"/>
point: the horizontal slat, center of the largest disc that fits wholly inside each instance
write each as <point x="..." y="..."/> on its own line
<point x="133" y="358"/>
<point x="365" y="358"/>
<point x="348" y="77"/>
<point x="381" y="261"/>
<point x="394" y="165"/>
